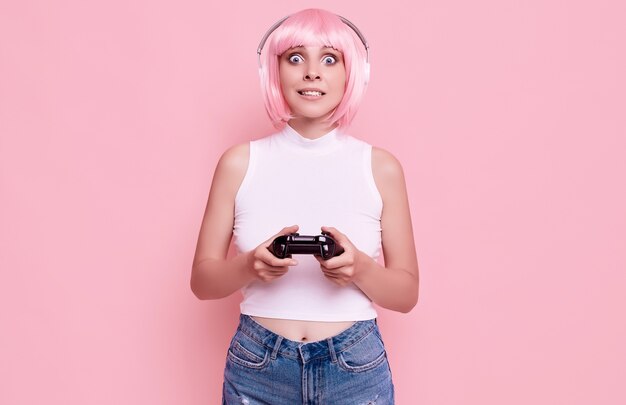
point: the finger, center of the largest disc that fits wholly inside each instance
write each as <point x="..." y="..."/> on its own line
<point x="336" y="262"/>
<point x="269" y="242"/>
<point x="285" y="231"/>
<point x="273" y="272"/>
<point x="267" y="277"/>
<point x="332" y="271"/>
<point x="329" y="273"/>
<point x="336" y="279"/>
<point x="332" y="263"/>
<point x="268" y="258"/>
<point x="273" y="261"/>
<point x="333" y="232"/>
<point x="324" y="263"/>
<point x="277" y="271"/>
<point x="341" y="239"/>
<point x="283" y="262"/>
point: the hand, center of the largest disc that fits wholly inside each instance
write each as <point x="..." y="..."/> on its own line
<point x="264" y="265"/>
<point x="340" y="269"/>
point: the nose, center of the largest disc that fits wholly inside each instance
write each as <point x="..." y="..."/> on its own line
<point x="311" y="73"/>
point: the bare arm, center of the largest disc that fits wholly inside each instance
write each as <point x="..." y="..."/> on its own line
<point x="394" y="286"/>
<point x="213" y="275"/>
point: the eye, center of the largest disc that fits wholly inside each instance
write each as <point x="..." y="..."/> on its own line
<point x="329" y="60"/>
<point x="295" y="58"/>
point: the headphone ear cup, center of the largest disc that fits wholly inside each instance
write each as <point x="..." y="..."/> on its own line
<point x="367" y="72"/>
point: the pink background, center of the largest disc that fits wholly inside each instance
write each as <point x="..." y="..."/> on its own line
<point x="509" y="119"/>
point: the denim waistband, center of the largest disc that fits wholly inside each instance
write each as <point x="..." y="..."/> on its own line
<point x="329" y="347"/>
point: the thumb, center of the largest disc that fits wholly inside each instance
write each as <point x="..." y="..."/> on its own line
<point x="334" y="233"/>
<point x="341" y="239"/>
<point x="285" y="231"/>
<point x="288" y="229"/>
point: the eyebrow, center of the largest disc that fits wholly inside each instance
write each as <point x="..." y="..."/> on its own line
<point x="324" y="49"/>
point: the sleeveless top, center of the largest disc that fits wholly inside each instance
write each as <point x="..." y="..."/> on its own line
<point x="292" y="180"/>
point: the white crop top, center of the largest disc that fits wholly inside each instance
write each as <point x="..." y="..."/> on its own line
<point x="292" y="180"/>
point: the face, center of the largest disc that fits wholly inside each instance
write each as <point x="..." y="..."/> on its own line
<point x="312" y="80"/>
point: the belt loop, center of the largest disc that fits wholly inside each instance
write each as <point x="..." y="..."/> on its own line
<point x="331" y="349"/>
<point x="279" y="340"/>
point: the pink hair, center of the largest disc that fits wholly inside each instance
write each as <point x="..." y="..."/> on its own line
<point x="314" y="27"/>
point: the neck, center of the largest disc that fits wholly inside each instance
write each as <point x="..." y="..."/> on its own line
<point x="311" y="129"/>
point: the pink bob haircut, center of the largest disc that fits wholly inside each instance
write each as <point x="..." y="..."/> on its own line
<point x="314" y="27"/>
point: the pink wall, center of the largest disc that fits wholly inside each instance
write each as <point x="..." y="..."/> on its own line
<point x="507" y="115"/>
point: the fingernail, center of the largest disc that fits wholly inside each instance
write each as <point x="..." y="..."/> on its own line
<point x="294" y="263"/>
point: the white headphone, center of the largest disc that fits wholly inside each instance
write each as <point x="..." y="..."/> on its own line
<point x="345" y="20"/>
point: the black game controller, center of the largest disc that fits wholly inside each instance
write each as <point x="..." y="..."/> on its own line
<point x="319" y="245"/>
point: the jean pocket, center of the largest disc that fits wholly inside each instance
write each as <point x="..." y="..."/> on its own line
<point x="248" y="353"/>
<point x="364" y="355"/>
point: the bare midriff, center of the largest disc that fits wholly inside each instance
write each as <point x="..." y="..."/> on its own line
<point x="303" y="331"/>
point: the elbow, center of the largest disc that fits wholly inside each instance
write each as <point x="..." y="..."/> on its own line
<point x="202" y="289"/>
<point x="403" y="306"/>
<point x="411" y="302"/>
<point x="199" y="282"/>
<point x="195" y="288"/>
<point x="409" y="307"/>
<point x="198" y="287"/>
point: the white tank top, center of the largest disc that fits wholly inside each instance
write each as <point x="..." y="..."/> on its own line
<point x="292" y="180"/>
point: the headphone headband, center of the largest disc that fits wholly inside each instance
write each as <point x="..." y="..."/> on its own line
<point x="344" y="20"/>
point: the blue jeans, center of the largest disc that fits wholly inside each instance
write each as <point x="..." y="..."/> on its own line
<point x="263" y="367"/>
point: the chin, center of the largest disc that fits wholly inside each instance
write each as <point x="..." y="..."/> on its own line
<point x="317" y="114"/>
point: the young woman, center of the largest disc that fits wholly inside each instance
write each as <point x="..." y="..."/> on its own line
<point x="308" y="331"/>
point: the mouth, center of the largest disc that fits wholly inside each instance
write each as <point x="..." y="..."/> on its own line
<point x="311" y="93"/>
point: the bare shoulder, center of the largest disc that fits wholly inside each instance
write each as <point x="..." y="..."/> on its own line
<point x="236" y="157"/>
<point x="232" y="166"/>
<point x="387" y="170"/>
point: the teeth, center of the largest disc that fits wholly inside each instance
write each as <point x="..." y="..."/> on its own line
<point x="311" y="93"/>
